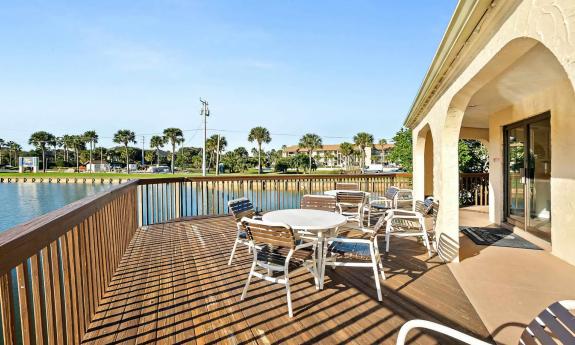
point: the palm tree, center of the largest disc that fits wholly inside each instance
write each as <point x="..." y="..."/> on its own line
<point x="174" y="136"/>
<point x="346" y="150"/>
<point x="125" y="137"/>
<point x="92" y="138"/>
<point x="363" y="140"/>
<point x="157" y="142"/>
<point x="382" y="142"/>
<point x="260" y="135"/>
<point x="77" y="143"/>
<point x="2" y="145"/>
<point x="13" y="147"/>
<point x="67" y="142"/>
<point x="311" y="142"/>
<point x="41" y="140"/>
<point x="215" y="145"/>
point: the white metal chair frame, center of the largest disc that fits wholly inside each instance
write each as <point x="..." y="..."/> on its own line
<point x="358" y="208"/>
<point x="247" y="210"/>
<point x="316" y="202"/>
<point x="372" y="242"/>
<point x="389" y="201"/>
<point x="417" y="216"/>
<point x="270" y="267"/>
<point x="556" y="318"/>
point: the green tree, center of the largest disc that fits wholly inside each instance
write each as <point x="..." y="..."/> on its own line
<point x="363" y="140"/>
<point x="346" y="150"/>
<point x="282" y="165"/>
<point x="67" y="142"/>
<point x="91" y="137"/>
<point x="2" y="145"/>
<point x="382" y="142"/>
<point x="402" y="153"/>
<point x="41" y="140"/>
<point x="13" y="148"/>
<point x="125" y="137"/>
<point x="215" y="148"/>
<point x="157" y="142"/>
<point x="311" y="142"/>
<point x="78" y="143"/>
<point x="473" y="157"/>
<point x="260" y="135"/>
<point x="173" y="136"/>
<point x="298" y="161"/>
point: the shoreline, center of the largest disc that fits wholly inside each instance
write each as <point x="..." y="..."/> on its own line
<point x="64" y="180"/>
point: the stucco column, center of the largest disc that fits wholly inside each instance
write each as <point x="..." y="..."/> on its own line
<point x="418" y="164"/>
<point x="447" y="185"/>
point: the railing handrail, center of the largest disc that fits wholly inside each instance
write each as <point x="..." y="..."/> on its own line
<point x="24" y="240"/>
<point x="145" y="181"/>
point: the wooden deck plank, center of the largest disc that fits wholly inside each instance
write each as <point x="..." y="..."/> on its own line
<point x="174" y="286"/>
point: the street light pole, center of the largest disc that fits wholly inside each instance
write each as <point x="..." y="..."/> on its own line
<point x="205" y="112"/>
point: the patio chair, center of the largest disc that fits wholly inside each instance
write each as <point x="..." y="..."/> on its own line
<point x="241" y="208"/>
<point x="403" y="223"/>
<point x="346" y="186"/>
<point x="357" y="250"/>
<point x="318" y="202"/>
<point x="275" y="250"/>
<point x="554" y="325"/>
<point x="381" y="204"/>
<point x="351" y="205"/>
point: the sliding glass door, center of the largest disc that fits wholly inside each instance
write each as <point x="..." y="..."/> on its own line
<point x="528" y="175"/>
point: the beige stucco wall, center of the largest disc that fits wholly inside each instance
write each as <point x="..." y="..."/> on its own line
<point x="560" y="101"/>
<point x="551" y="23"/>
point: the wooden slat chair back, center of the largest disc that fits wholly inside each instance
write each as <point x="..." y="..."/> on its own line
<point x="318" y="202"/>
<point x="277" y="235"/>
<point x="276" y="250"/>
<point x="352" y="198"/>
<point x="346" y="186"/>
<point x="240" y="208"/>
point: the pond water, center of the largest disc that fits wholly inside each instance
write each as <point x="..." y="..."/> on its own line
<point x="20" y="202"/>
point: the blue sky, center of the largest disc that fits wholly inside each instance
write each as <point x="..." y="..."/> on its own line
<point x="329" y="67"/>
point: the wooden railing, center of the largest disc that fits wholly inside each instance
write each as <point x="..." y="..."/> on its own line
<point x="55" y="268"/>
<point x="164" y="199"/>
<point x="473" y="189"/>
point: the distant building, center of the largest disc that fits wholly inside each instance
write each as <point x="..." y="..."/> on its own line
<point x="330" y="155"/>
<point x="98" y="166"/>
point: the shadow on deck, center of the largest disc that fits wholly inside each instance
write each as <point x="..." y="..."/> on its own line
<point x="173" y="285"/>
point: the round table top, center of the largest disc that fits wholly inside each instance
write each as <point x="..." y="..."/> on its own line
<point x="334" y="192"/>
<point x="304" y="219"/>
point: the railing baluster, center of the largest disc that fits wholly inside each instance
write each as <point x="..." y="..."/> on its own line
<point x="25" y="305"/>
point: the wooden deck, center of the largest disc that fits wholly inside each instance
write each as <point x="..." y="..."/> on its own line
<point x="173" y="285"/>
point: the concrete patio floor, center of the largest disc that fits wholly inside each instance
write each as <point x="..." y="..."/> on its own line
<point x="509" y="286"/>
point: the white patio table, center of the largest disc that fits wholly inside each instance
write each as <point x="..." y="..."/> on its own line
<point x="334" y="192"/>
<point x="317" y="221"/>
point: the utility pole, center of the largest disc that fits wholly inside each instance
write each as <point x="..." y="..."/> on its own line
<point x="143" y="162"/>
<point x="218" y="156"/>
<point x="205" y="112"/>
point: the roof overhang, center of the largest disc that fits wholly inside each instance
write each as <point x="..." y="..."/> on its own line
<point x="464" y="22"/>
